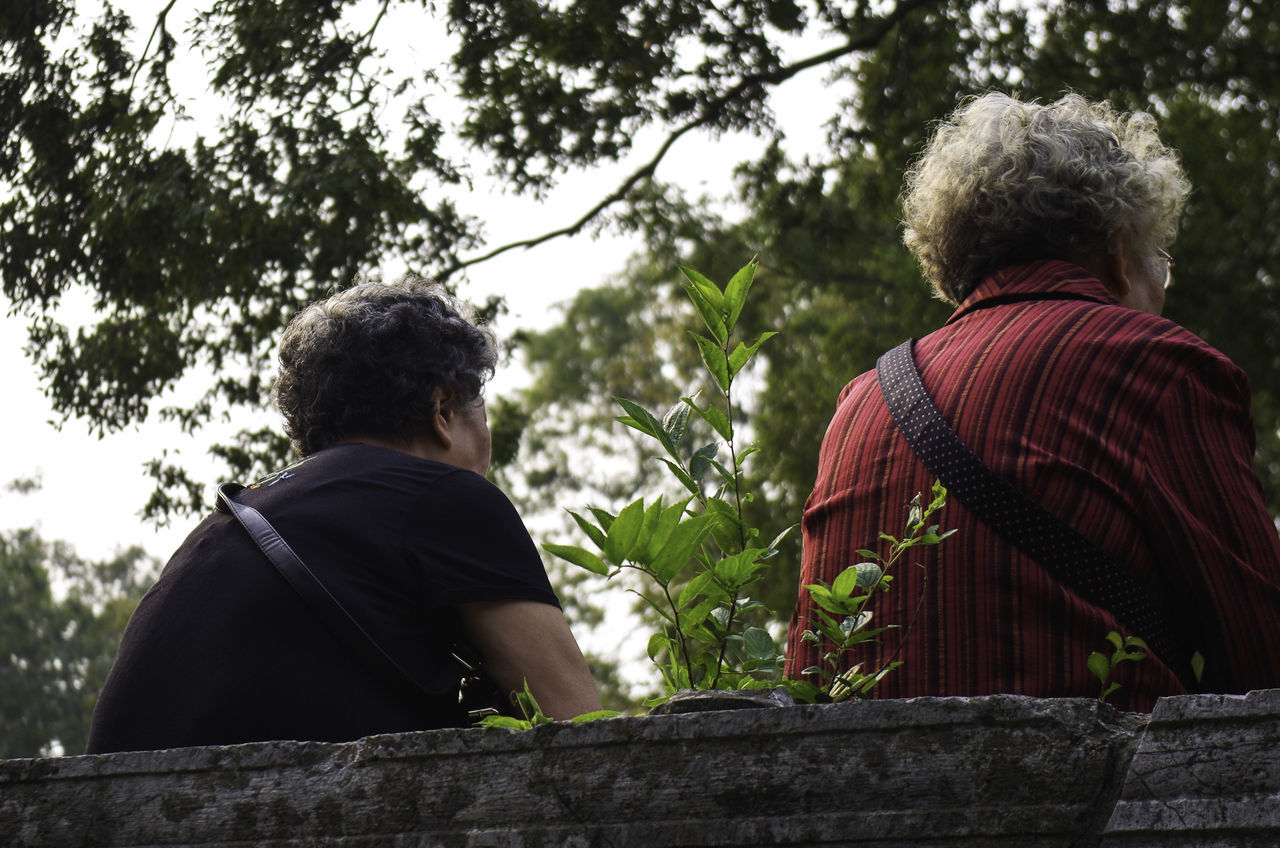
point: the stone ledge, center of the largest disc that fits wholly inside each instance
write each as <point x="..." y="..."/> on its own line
<point x="1207" y="772"/>
<point x="999" y="770"/>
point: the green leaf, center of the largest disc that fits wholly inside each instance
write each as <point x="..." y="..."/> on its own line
<point x="641" y="419"/>
<point x="802" y="691"/>
<point x="622" y="536"/>
<point x="715" y="360"/>
<point x="777" y="540"/>
<point x="694" y="617"/>
<point x="735" y="293"/>
<point x="579" y="557"/>
<point x="505" y="723"/>
<point x="711" y="317"/>
<point x="864" y="575"/>
<point x="708" y="289"/>
<point x="683" y="476"/>
<point x="857" y="622"/>
<point x="727" y="526"/>
<point x="658" y="642"/>
<point x="675" y="555"/>
<point x="641" y="424"/>
<point x="693" y="589"/>
<point x="675" y="422"/>
<point x="708" y="300"/>
<point x="915" y="515"/>
<point x="1100" y="666"/>
<point x="719" y="422"/>
<point x="740" y="570"/>
<point x="869" y="574"/>
<point x="652" y="516"/>
<point x="604" y="518"/>
<point x="821" y="596"/>
<point x="594" y="533"/>
<point x="661" y="532"/>
<point x="742" y="353"/>
<point x="759" y="644"/>
<point x="700" y="462"/>
<point x="595" y="715"/>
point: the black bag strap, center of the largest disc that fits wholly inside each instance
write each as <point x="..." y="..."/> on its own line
<point x="324" y="604"/>
<point x="1015" y="517"/>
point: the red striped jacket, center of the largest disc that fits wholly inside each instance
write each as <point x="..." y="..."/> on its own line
<point x="1133" y="430"/>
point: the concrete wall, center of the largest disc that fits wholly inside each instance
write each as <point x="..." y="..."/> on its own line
<point x="1004" y="770"/>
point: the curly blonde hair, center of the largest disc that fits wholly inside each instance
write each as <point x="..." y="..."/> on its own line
<point x="1002" y="181"/>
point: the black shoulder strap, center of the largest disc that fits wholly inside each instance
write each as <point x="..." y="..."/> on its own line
<point x="312" y="591"/>
<point x="1019" y="520"/>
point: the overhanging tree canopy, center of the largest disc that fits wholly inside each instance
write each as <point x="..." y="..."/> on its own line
<point x="329" y="158"/>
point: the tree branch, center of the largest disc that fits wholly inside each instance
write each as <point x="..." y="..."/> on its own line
<point x="713" y="109"/>
<point x="142" y="58"/>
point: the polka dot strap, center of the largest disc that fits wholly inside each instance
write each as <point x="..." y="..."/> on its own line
<point x="1014" y="516"/>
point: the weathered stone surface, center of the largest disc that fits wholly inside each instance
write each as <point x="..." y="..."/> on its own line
<point x="1002" y="770"/>
<point x="1207" y="773"/>
<point x="997" y="771"/>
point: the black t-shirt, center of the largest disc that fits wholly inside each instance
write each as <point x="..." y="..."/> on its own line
<point x="222" y="649"/>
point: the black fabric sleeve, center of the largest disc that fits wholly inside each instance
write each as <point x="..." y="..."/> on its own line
<point x="471" y="545"/>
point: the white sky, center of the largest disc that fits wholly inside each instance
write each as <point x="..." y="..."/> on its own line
<point x="93" y="490"/>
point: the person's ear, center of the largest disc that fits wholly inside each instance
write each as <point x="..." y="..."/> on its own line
<point x="1114" y="269"/>
<point x="442" y="418"/>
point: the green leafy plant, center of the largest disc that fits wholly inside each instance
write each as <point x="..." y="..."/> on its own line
<point x="701" y="556"/>
<point x="843" y="619"/>
<point x="698" y="553"/>
<point x="1124" y="649"/>
<point x="533" y="714"/>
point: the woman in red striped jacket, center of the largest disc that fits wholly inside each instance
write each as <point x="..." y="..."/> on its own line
<point x="1047" y="227"/>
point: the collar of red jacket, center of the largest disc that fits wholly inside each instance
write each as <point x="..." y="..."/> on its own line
<point x="1051" y="277"/>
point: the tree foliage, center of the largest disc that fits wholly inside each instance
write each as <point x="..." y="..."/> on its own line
<point x="326" y="159"/>
<point x="60" y="623"/>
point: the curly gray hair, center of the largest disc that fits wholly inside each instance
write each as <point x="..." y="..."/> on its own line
<point x="1002" y="181"/>
<point x="366" y="363"/>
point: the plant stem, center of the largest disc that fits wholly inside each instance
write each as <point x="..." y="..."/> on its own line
<point x="675" y="617"/>
<point x="733" y="459"/>
<point x="911" y="624"/>
<point x="724" y="643"/>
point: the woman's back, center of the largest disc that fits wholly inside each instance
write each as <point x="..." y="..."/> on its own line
<point x="222" y="650"/>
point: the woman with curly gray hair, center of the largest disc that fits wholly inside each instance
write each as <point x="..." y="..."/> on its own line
<point x="1108" y="483"/>
<point x="380" y="387"/>
<point x="1005" y="182"/>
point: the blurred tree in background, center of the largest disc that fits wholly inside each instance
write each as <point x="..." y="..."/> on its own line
<point x="60" y="623"/>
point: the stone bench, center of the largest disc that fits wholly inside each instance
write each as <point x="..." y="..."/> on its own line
<point x="1004" y="770"/>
